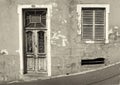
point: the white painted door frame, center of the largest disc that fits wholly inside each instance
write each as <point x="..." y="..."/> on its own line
<point x="49" y="9"/>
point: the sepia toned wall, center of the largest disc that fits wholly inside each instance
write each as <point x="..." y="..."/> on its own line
<point x="67" y="49"/>
<point x="76" y="50"/>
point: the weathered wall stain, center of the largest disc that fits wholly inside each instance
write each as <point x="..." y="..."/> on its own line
<point x="59" y="39"/>
<point x="67" y="48"/>
<point x="4" y="52"/>
<point x="82" y="50"/>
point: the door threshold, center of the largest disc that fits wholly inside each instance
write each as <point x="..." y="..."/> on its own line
<point x="35" y="76"/>
<point x="40" y="74"/>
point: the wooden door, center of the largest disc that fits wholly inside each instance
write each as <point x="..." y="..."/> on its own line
<point x="35" y="39"/>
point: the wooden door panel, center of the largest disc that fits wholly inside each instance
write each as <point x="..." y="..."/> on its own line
<point x="41" y="41"/>
<point x="41" y="51"/>
<point x="36" y="51"/>
<point x="30" y="64"/>
<point x="30" y="50"/>
<point x="42" y="67"/>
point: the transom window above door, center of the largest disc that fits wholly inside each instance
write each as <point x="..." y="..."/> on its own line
<point x="35" y="18"/>
<point x="93" y="23"/>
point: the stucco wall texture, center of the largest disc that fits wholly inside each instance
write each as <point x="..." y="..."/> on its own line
<point x="67" y="49"/>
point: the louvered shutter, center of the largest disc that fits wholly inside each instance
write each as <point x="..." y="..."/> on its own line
<point x="87" y="24"/>
<point x="93" y="23"/>
<point x="99" y="24"/>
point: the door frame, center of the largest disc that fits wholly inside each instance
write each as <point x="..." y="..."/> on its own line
<point x="49" y="10"/>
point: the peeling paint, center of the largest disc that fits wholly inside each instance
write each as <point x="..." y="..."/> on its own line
<point x="17" y="51"/>
<point x="4" y="52"/>
<point x="63" y="17"/>
<point x="59" y="39"/>
<point x="110" y="31"/>
<point x="64" y="21"/>
<point x="78" y="31"/>
<point x="54" y="4"/>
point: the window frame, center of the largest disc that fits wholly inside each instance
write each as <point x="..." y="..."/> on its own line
<point x="107" y="10"/>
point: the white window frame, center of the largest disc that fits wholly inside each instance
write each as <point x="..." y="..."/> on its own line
<point x="107" y="9"/>
<point x="49" y="9"/>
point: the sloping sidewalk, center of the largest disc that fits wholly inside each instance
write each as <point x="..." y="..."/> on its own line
<point x="82" y="78"/>
<point x="90" y="77"/>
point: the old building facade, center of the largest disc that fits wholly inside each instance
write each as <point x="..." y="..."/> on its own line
<point x="53" y="37"/>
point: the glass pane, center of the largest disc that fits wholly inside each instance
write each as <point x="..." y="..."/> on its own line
<point x="41" y="46"/>
<point x="29" y="47"/>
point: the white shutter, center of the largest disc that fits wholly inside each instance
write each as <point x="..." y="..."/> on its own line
<point x="93" y="23"/>
<point x="99" y="24"/>
<point x="87" y="24"/>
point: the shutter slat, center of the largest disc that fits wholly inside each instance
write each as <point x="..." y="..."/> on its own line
<point x="99" y="32"/>
<point x="99" y="29"/>
<point x="99" y="16"/>
<point x="87" y="32"/>
<point x="87" y="17"/>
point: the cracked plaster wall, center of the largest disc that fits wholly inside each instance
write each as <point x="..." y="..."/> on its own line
<point x="108" y="51"/>
<point x="67" y="49"/>
<point x="70" y="60"/>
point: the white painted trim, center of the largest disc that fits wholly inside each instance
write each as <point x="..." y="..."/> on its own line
<point x="20" y="7"/>
<point x="106" y="6"/>
<point x="48" y="41"/>
<point x="20" y="40"/>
